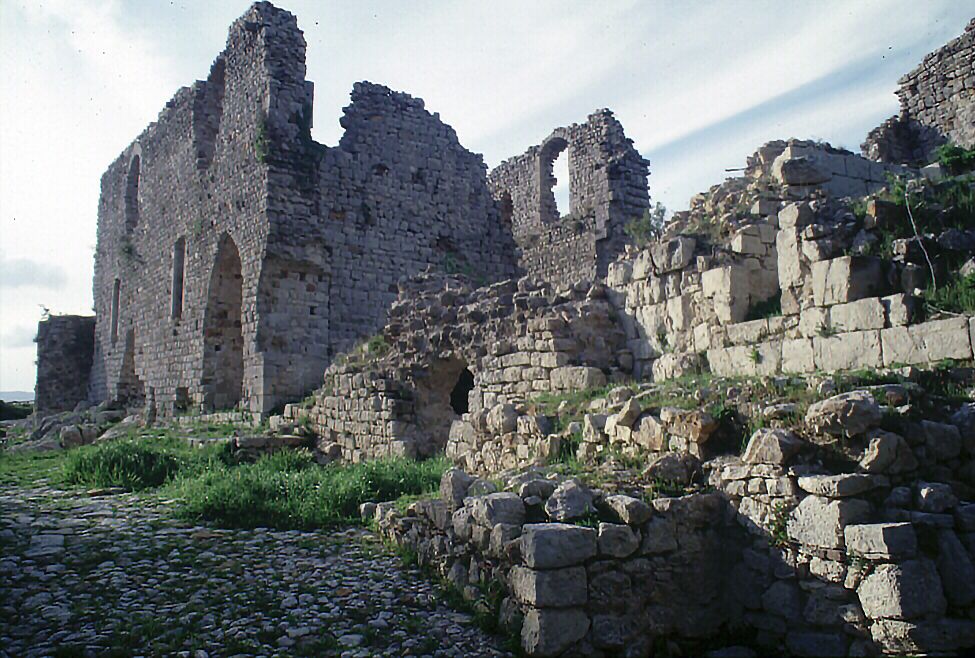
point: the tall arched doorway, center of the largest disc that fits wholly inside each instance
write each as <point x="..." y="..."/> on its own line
<point x="223" y="339"/>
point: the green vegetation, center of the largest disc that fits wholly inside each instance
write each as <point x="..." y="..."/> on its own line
<point x="377" y="345"/>
<point x="130" y="464"/>
<point x="955" y="159"/>
<point x="769" y="308"/>
<point x="15" y="410"/>
<point x="647" y="228"/>
<point x="289" y="490"/>
<point x="778" y="533"/>
<point x="955" y="296"/>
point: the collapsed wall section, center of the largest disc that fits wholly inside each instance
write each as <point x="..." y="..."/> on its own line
<point x="937" y="104"/>
<point x="452" y="359"/>
<point x="64" y="357"/>
<point x="607" y="189"/>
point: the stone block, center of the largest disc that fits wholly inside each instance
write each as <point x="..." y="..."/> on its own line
<point x="549" y="632"/>
<point x="860" y="315"/>
<point x="551" y="588"/>
<point x="627" y="509"/>
<point x="927" y="342"/>
<point x="898" y="309"/>
<point x="771" y="446"/>
<point x="847" y="279"/>
<point x="796" y="215"/>
<point x="944" y="636"/>
<point x="845" y="414"/>
<point x="849" y="351"/>
<point x="761" y="359"/>
<point x="798" y="355"/>
<point x="956" y="569"/>
<point x="659" y="536"/>
<point x="819" y="522"/>
<point x="453" y="487"/>
<point x="843" y="485"/>
<point x="554" y="545"/>
<point x="742" y="333"/>
<point x="881" y="541"/>
<point x="672" y="255"/>
<point x="617" y="540"/>
<point x="908" y="590"/>
<point x="788" y="257"/>
<point x="577" y="378"/>
<point x="502" y="507"/>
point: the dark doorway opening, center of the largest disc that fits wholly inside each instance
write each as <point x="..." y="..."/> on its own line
<point x="462" y="389"/>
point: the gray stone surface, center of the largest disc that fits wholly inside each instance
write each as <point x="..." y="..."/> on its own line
<point x="881" y="541"/>
<point x="551" y="588"/>
<point x="628" y="509"/>
<point x="554" y="545"/>
<point x="771" y="446"/>
<point x="548" y="632"/>
<point x="502" y="507"/>
<point x="819" y="522"/>
<point x="617" y="540"/>
<point x="570" y="500"/>
<point x="836" y="486"/>
<point x="845" y="414"/>
<point x="907" y="590"/>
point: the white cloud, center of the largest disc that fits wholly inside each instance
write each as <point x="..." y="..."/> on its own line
<point x="26" y="273"/>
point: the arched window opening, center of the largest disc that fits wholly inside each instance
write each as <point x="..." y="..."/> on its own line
<point x="132" y="194"/>
<point x="223" y="341"/>
<point x="459" y="396"/>
<point x="554" y="193"/>
<point x="116" y="293"/>
<point x="179" y="270"/>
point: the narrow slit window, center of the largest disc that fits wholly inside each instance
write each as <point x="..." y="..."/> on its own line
<point x="179" y="268"/>
<point x="116" y="290"/>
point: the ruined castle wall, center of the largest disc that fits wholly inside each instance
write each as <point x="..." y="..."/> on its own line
<point x="64" y="358"/>
<point x="193" y="177"/>
<point x="400" y="194"/>
<point x="937" y="104"/>
<point x="941" y="91"/>
<point x="607" y="189"/>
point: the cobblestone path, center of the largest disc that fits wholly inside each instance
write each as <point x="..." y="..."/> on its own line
<point x="94" y="575"/>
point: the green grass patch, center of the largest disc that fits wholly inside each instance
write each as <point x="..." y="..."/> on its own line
<point x="288" y="490"/>
<point x="955" y="296"/>
<point x="956" y="159"/>
<point x="769" y="308"/>
<point x="28" y="467"/>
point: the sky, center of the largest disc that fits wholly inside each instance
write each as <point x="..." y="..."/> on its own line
<point x="698" y="86"/>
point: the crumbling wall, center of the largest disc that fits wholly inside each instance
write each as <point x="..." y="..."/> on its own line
<point x="607" y="189"/>
<point x="64" y="356"/>
<point x="937" y="104"/>
<point x="402" y="393"/>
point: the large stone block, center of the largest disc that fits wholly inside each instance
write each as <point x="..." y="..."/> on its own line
<point x="845" y="414"/>
<point x="946" y="636"/>
<point x="788" y="257"/>
<point x="847" y="279"/>
<point x="502" y="507"/>
<point x="881" y="541"/>
<point x="860" y="315"/>
<point x="577" y="378"/>
<point x="798" y="355"/>
<point x="819" y="522"/>
<point x="843" y="485"/>
<point x="849" y="351"/>
<point x="549" y="632"/>
<point x="908" y="590"/>
<point x="672" y="255"/>
<point x="771" y="446"/>
<point x="928" y="342"/>
<point x="554" y="545"/>
<point x="551" y="588"/>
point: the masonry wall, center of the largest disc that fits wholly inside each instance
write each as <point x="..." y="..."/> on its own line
<point x="607" y="189"/>
<point x="64" y="357"/>
<point x="236" y="256"/>
<point x="937" y="104"/>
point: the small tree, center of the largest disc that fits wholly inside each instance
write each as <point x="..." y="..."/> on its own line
<point x="648" y="227"/>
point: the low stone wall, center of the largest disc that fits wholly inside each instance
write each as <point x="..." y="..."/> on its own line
<point x="845" y="534"/>
<point x="659" y="570"/>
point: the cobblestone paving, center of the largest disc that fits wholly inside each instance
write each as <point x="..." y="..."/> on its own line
<point x="114" y="574"/>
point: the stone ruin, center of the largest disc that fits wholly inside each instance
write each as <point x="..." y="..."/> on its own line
<point x="237" y="257"/>
<point x="428" y="305"/>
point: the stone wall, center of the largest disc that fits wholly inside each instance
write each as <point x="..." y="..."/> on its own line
<point x="607" y="189"/>
<point x="937" y="104"/>
<point x="64" y="357"/>
<point x="236" y="257"/>
<point x="452" y="359"/>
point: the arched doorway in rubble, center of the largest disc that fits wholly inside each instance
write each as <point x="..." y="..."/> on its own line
<point x="443" y="395"/>
<point x="223" y="339"/>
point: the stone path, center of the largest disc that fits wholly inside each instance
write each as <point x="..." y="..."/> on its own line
<point x="88" y="575"/>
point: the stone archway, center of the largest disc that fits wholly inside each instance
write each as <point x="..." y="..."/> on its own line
<point x="442" y="396"/>
<point x="223" y="340"/>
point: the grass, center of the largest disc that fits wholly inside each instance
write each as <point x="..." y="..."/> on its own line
<point x="768" y="308"/>
<point x="955" y="296"/>
<point x="956" y="159"/>
<point x="289" y="490"/>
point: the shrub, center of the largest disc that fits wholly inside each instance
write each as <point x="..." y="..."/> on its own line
<point x="130" y="464"/>
<point x="956" y="296"/>
<point x="955" y="159"/>
<point x="768" y="308"/>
